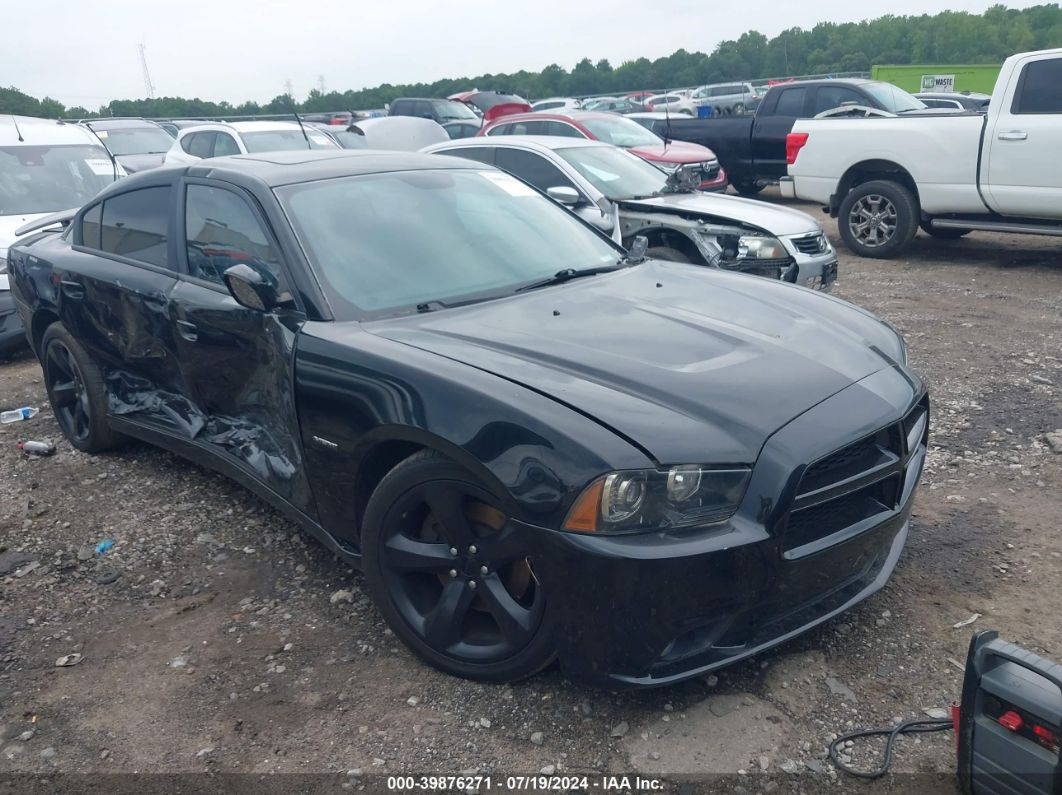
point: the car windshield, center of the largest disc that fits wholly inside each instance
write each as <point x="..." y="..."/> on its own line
<point x="892" y="98"/>
<point x="617" y="174"/>
<point x="136" y="140"/>
<point x="283" y="140"/>
<point x="620" y="132"/>
<point x="449" y="110"/>
<point x="46" y="179"/>
<point x="388" y="243"/>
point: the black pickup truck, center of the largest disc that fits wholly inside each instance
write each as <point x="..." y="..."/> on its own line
<point x="752" y="148"/>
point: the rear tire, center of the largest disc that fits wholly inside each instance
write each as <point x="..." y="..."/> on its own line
<point x="76" y="392"/>
<point x="878" y="219"/>
<point x="452" y="576"/>
<point x="943" y="233"/>
<point x="747" y="187"/>
<point x="739" y="109"/>
<point x="666" y="253"/>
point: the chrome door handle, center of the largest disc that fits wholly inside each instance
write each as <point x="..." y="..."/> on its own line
<point x="1013" y="135"/>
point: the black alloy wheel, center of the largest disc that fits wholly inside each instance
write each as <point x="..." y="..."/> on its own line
<point x="454" y="579"/>
<point x="75" y="391"/>
<point x="66" y="388"/>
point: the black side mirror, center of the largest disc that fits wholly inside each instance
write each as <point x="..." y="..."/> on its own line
<point x="252" y="287"/>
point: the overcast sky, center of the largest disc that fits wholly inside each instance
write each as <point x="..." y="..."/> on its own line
<point x="86" y="53"/>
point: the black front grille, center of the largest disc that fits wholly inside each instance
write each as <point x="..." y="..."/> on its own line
<point x="859" y="482"/>
<point x="813" y="244"/>
<point x="843" y="464"/>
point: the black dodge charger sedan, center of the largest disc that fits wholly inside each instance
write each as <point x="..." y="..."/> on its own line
<point x="534" y="443"/>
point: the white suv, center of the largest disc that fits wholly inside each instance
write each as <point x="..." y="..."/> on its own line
<point x="217" y="139"/>
<point x="726" y="99"/>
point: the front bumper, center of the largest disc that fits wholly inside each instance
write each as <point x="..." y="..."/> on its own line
<point x="653" y="609"/>
<point x="816" y="264"/>
<point x="12" y="333"/>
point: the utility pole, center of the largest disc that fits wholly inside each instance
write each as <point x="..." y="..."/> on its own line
<point x="321" y="83"/>
<point x="148" y="85"/>
<point x="289" y="88"/>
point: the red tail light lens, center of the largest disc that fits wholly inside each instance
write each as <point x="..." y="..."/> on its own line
<point x="794" y="142"/>
<point x="1047" y="737"/>
<point x="1010" y="720"/>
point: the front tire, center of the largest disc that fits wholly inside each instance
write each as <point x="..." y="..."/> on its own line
<point x="747" y="187"/>
<point x="452" y="576"/>
<point x="739" y="110"/>
<point x="878" y="219"/>
<point x="76" y="392"/>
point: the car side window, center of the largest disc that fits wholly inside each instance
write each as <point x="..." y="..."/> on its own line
<point x="1039" y="88"/>
<point x="482" y="154"/>
<point x="135" y="225"/>
<point x="422" y="109"/>
<point x="221" y="230"/>
<point x="225" y="144"/>
<point x="186" y="142"/>
<point x="90" y="226"/>
<point x="561" y="129"/>
<point x="202" y="144"/>
<point x="531" y="168"/>
<point x="830" y="97"/>
<point x="791" y="102"/>
<point x="501" y="129"/>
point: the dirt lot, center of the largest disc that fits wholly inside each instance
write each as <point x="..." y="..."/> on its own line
<point x="215" y="639"/>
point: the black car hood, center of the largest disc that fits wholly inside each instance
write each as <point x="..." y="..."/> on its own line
<point x="693" y="365"/>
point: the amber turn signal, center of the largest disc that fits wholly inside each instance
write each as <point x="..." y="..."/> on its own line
<point x="584" y="513"/>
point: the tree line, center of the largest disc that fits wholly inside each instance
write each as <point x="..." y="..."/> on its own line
<point x="943" y="38"/>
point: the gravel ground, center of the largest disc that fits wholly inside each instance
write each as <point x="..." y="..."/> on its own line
<point x="213" y="638"/>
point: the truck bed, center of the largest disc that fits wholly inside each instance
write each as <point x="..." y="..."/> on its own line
<point x="939" y="152"/>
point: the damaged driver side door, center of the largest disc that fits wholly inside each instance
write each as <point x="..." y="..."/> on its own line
<point x="237" y="363"/>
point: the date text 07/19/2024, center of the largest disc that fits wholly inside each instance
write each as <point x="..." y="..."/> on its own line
<point x="529" y="783"/>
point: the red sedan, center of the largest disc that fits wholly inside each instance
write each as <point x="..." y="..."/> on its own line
<point x="614" y="129"/>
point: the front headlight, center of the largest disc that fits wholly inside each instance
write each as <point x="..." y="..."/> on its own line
<point x="690" y="495"/>
<point x="750" y="247"/>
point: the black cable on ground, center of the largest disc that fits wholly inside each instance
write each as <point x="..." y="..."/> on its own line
<point x="907" y="727"/>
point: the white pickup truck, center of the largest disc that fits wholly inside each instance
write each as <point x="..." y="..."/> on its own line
<point x="883" y="178"/>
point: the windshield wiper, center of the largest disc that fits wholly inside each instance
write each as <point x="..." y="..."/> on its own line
<point x="566" y="275"/>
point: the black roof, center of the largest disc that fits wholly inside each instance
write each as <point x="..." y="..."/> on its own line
<point x="273" y="169"/>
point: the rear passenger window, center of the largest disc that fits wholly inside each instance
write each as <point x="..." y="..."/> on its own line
<point x="562" y="129"/>
<point x="90" y="227"/>
<point x="791" y="102"/>
<point x="1040" y="88"/>
<point x="135" y="224"/>
<point x="531" y="168"/>
<point x="481" y="154"/>
<point x="501" y="129"/>
<point x="202" y="144"/>
<point x="221" y="230"/>
<point x="225" y="145"/>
